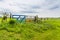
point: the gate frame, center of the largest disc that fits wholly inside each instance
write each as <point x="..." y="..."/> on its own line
<point x="19" y="17"/>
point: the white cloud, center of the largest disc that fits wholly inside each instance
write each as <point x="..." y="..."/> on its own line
<point x="41" y="7"/>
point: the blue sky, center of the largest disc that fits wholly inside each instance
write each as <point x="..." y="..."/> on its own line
<point x="42" y="8"/>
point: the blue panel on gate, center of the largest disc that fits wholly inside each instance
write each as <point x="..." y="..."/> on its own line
<point x="21" y="18"/>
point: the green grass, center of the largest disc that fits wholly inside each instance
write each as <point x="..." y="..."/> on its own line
<point x="46" y="30"/>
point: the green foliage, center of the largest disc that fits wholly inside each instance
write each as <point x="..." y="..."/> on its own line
<point x="36" y="19"/>
<point x="12" y="22"/>
<point x="4" y="17"/>
<point x="47" y="30"/>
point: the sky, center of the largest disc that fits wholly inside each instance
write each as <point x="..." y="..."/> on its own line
<point x="42" y="8"/>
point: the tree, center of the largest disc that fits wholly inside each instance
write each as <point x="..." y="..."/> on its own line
<point x="4" y="16"/>
<point x="36" y="18"/>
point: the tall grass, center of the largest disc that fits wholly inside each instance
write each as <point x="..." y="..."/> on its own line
<point x="45" y="30"/>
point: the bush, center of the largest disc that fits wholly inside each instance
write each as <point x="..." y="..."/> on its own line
<point x="4" y="18"/>
<point x="12" y="22"/>
<point x="36" y="18"/>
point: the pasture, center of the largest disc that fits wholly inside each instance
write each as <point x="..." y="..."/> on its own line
<point x="44" y="30"/>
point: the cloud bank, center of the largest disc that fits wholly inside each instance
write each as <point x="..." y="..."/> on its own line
<point x="43" y="8"/>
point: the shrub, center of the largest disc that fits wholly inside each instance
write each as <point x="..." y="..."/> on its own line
<point x="4" y="18"/>
<point x="12" y="22"/>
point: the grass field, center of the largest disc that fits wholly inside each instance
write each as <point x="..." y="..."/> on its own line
<point x="45" y="30"/>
